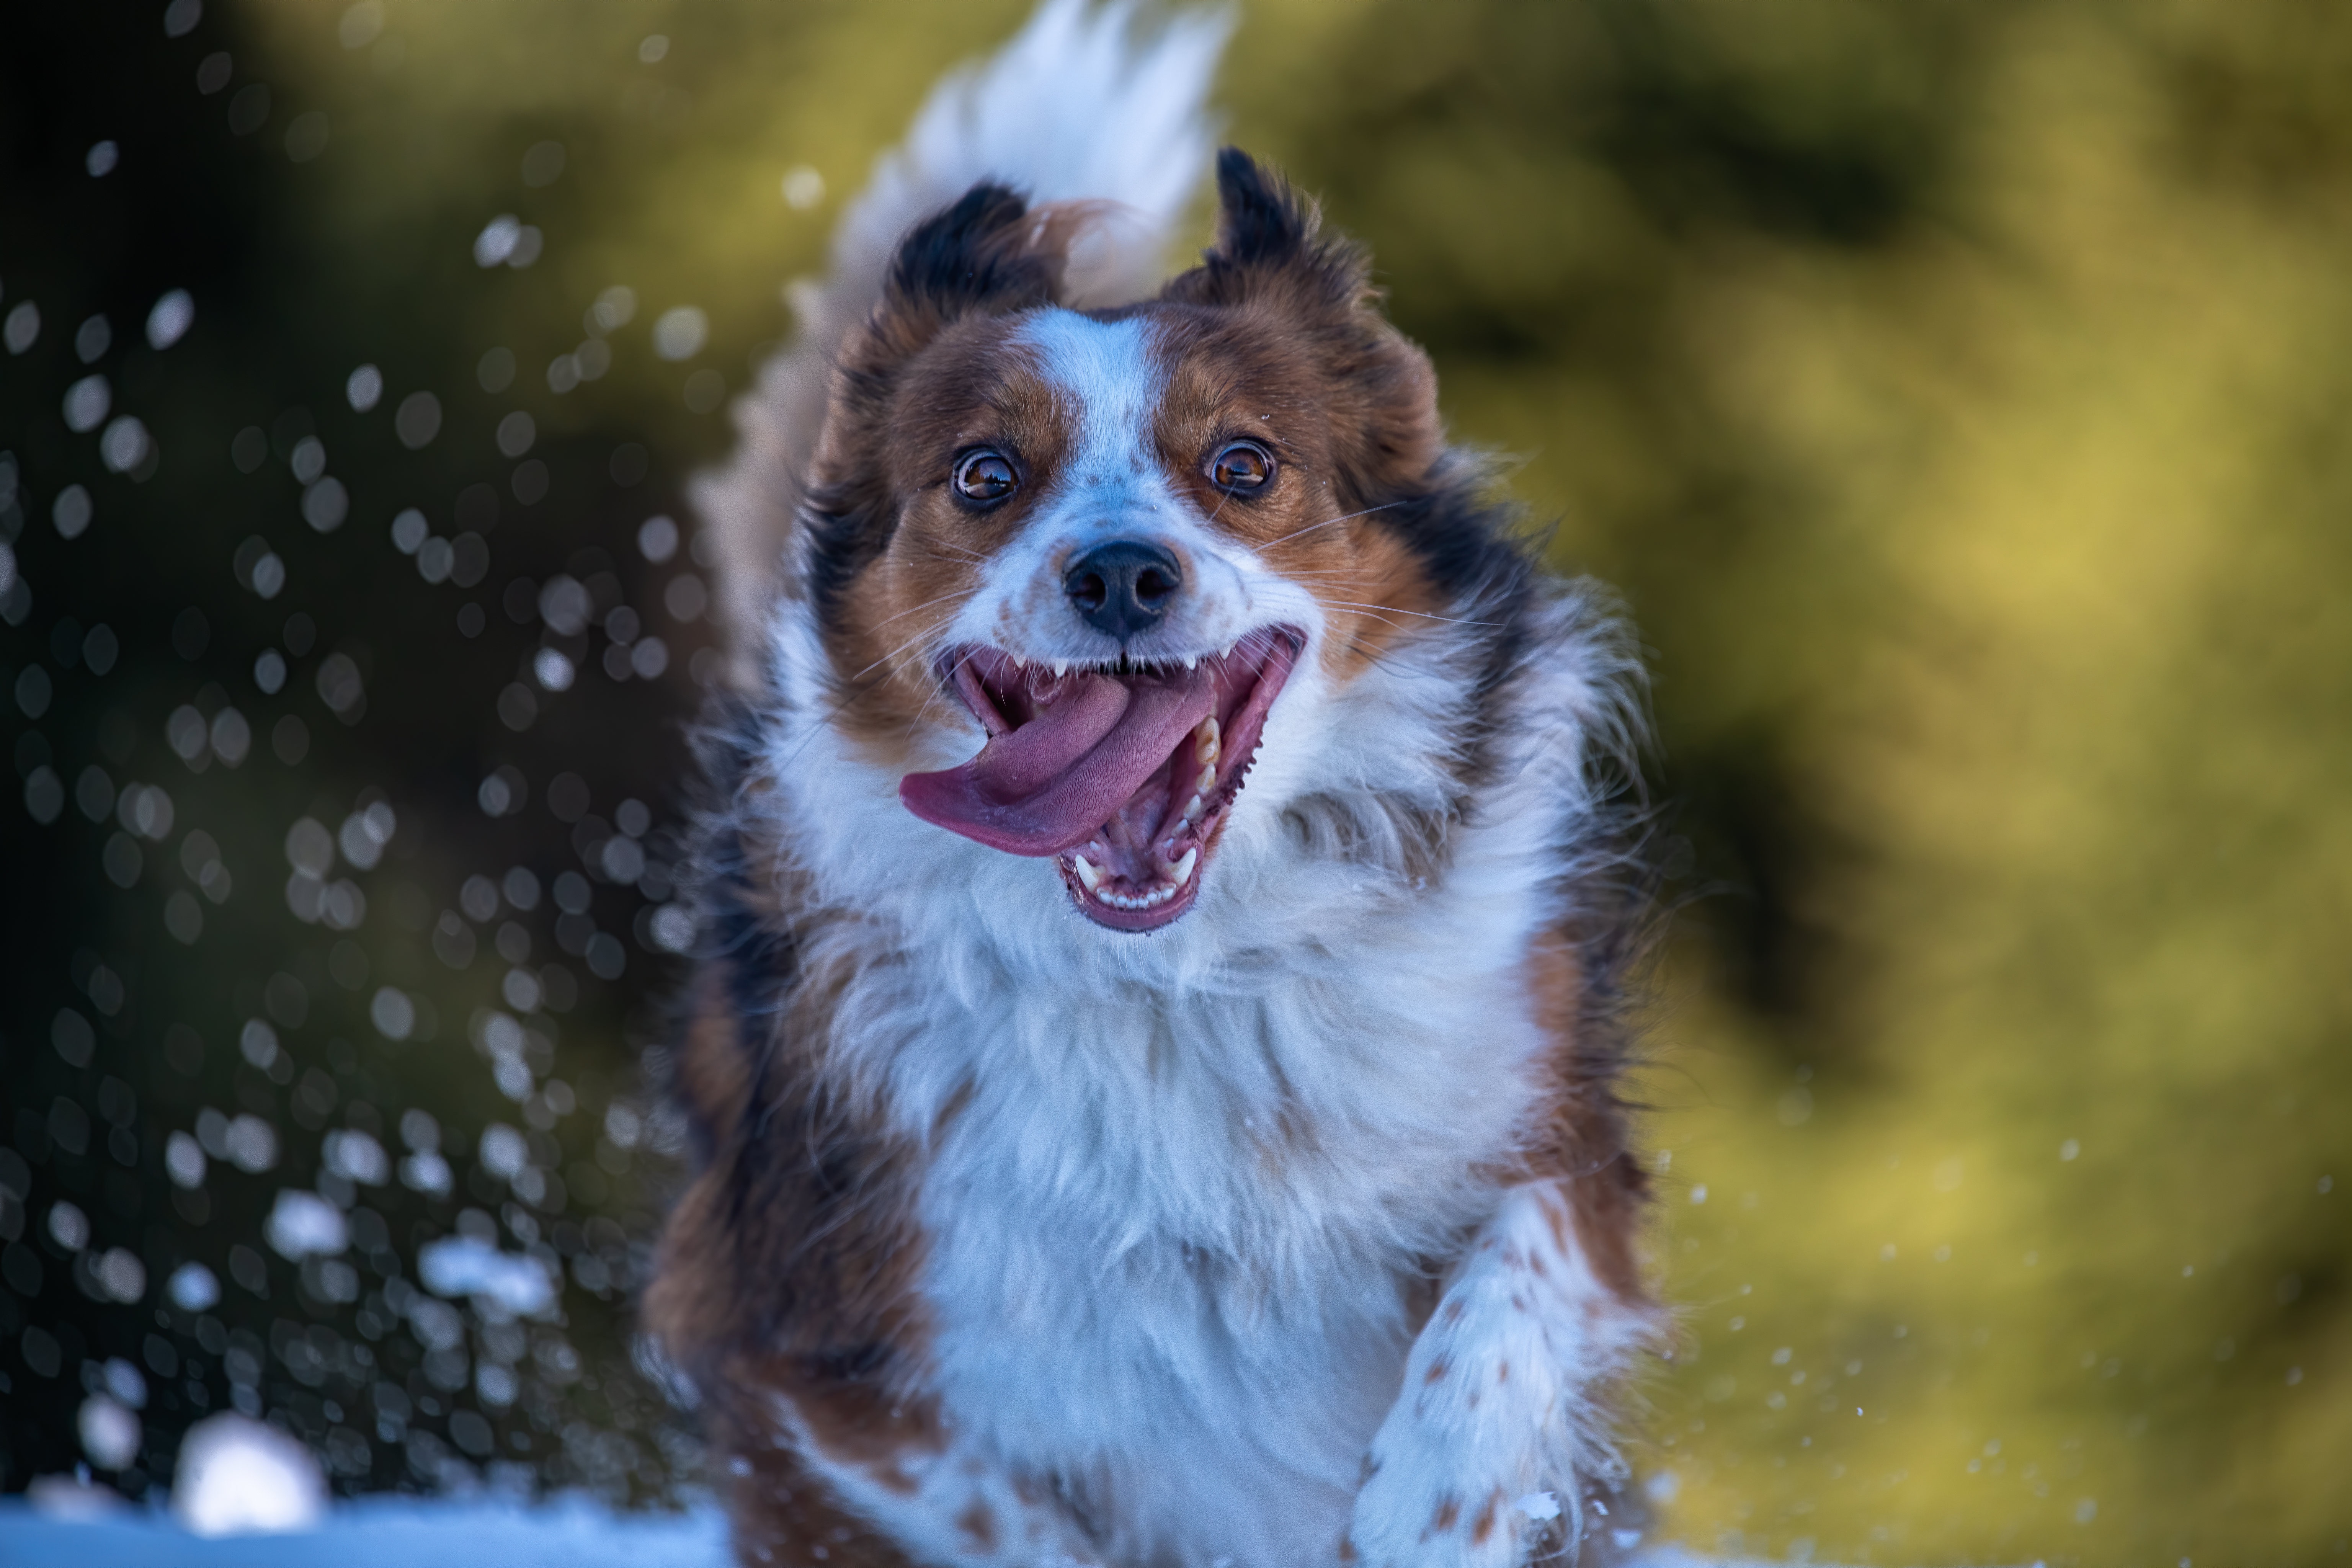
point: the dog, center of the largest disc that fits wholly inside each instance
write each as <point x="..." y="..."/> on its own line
<point x="1152" y="1063"/>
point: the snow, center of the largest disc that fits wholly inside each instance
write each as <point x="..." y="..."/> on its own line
<point x="248" y="1495"/>
<point x="374" y="1533"/>
<point x="238" y="1476"/>
<point x="110" y="1432"/>
<point x="462" y="1266"/>
<point x="403" y="1533"/>
<point x="305" y="1223"/>
<point x="192" y="1288"/>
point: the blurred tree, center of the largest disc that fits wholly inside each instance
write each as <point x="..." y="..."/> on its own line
<point x="1950" y="389"/>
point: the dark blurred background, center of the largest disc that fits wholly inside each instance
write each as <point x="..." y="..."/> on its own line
<point x="1956" y="393"/>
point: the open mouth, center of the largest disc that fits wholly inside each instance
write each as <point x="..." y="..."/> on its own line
<point x="1122" y="773"/>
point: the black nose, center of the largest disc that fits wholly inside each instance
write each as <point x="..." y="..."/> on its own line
<point x="1123" y="587"/>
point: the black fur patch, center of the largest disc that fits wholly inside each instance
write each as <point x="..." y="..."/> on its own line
<point x="1264" y="220"/>
<point x="1265" y="228"/>
<point x="972" y="253"/>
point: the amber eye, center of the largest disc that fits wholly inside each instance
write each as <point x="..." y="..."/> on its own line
<point x="985" y="477"/>
<point x="1241" y="467"/>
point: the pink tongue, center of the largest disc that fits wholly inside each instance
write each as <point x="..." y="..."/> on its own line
<point x="1049" y="784"/>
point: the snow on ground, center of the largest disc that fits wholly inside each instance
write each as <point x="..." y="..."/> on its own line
<point x="409" y="1534"/>
<point x="248" y="1495"/>
<point x="390" y="1533"/>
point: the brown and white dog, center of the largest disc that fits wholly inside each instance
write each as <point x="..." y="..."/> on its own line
<point x="1151" y="1067"/>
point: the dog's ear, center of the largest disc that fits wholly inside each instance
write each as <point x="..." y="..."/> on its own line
<point x="987" y="252"/>
<point x="1270" y="244"/>
<point x="1273" y="262"/>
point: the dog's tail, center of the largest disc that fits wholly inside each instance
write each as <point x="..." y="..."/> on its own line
<point x="1081" y="106"/>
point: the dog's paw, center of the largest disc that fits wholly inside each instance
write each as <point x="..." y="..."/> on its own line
<point x="1417" y="1517"/>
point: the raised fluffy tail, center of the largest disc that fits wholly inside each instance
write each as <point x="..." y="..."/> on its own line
<point x="1081" y="105"/>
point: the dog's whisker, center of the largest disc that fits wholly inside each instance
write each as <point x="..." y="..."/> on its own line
<point x="1418" y="614"/>
<point x="1333" y="521"/>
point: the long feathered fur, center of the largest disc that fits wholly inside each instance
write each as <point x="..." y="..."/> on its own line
<point x="1012" y="1240"/>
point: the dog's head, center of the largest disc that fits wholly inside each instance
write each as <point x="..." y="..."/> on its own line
<point x="1112" y="540"/>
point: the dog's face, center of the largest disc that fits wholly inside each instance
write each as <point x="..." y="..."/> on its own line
<point x="1110" y="539"/>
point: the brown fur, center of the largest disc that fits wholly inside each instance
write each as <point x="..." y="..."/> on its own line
<point x="1586" y="1143"/>
<point x="786" y="1275"/>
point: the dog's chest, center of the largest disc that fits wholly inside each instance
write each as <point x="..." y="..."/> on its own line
<point x="1175" y="1246"/>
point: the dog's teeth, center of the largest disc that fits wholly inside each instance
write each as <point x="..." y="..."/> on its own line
<point x="1020" y="662"/>
<point x="1087" y="873"/>
<point x="1207" y="781"/>
<point x="1151" y="899"/>
<point x="1207" y="742"/>
<point x="1061" y="668"/>
<point x="1193" y="809"/>
<point x="1191" y="661"/>
<point x="1182" y="872"/>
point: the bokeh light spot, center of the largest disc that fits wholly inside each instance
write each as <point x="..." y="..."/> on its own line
<point x="23" y="327"/>
<point x="804" y="187"/>
<point x="516" y="433"/>
<point x="71" y="511"/>
<point x="544" y="164"/>
<point x="494" y="369"/>
<point x="360" y="25"/>
<point x="306" y="138"/>
<point x="326" y="504"/>
<point x="363" y="388"/>
<point x="85" y="403"/>
<point x="418" y="420"/>
<point x="680" y="331"/>
<point x="704" y="391"/>
<point x="170" y="318"/>
<point x="290" y="740"/>
<point x="248" y="111"/>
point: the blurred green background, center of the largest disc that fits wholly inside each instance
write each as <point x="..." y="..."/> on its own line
<point x="1957" y="393"/>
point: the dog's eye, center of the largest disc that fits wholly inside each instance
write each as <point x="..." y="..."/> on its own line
<point x="1241" y="467"/>
<point x="985" y="477"/>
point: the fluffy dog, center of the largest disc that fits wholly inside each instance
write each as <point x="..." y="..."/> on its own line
<point x="1152" y="1065"/>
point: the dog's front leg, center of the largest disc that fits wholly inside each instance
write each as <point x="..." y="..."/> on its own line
<point x="818" y="1482"/>
<point x="1497" y="1403"/>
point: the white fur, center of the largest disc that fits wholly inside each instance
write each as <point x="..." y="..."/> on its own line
<point x="1175" y="1186"/>
<point x="1496" y="1401"/>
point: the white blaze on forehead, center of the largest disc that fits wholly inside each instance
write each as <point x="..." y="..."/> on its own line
<point x="1105" y="375"/>
<point x="1108" y="379"/>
